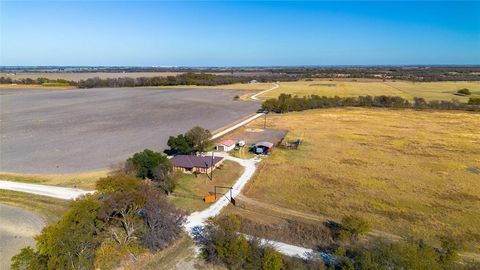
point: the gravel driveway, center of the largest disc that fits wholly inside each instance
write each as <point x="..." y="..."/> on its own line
<point x="67" y="131"/>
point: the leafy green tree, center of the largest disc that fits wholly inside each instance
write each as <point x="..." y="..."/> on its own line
<point x="269" y="104"/>
<point x="224" y="244"/>
<point x="71" y="243"/>
<point x="199" y="138"/>
<point x="179" y="145"/>
<point x="231" y="247"/>
<point x="29" y="259"/>
<point x="117" y="183"/>
<point x="272" y="260"/>
<point x="147" y="162"/>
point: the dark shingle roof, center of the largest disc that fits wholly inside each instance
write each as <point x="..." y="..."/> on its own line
<point x="186" y="161"/>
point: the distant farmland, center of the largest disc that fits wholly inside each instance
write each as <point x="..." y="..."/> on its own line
<point x="76" y="76"/>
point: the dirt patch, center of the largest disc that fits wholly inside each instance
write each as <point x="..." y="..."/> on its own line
<point x="79" y="130"/>
<point x="254" y="135"/>
<point x="17" y="229"/>
<point x="324" y="84"/>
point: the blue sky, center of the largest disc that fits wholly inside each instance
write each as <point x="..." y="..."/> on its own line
<point x="238" y="33"/>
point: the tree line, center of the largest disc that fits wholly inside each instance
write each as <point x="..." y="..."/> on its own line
<point x="349" y="248"/>
<point x="41" y="81"/>
<point x="224" y="244"/>
<point x="288" y="103"/>
<point x="200" y="79"/>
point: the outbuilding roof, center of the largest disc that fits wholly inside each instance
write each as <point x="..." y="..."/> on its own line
<point x="265" y="144"/>
<point x="227" y="142"/>
<point x="186" y="161"/>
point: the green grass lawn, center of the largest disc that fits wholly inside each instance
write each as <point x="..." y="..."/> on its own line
<point x="190" y="190"/>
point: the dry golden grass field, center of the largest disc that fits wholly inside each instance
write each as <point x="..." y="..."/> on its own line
<point x="50" y="209"/>
<point x="342" y="88"/>
<point x="427" y="90"/>
<point x="410" y="173"/>
<point x="86" y="180"/>
<point x="235" y="86"/>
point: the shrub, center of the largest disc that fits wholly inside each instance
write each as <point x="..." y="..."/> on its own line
<point x="474" y="101"/>
<point x="29" y="259"/>
<point x="117" y="183"/>
<point x="109" y="255"/>
<point x="272" y="260"/>
<point x="464" y="92"/>
<point x="224" y="245"/>
<point x="353" y="226"/>
<point x="384" y="255"/>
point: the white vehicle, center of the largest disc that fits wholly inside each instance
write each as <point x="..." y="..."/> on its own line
<point x="241" y="143"/>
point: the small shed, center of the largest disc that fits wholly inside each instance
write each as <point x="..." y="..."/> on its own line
<point x="195" y="164"/>
<point x="226" y="145"/>
<point x="263" y="148"/>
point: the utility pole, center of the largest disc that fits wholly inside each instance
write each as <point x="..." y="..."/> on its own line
<point x="265" y="119"/>
<point x="211" y="167"/>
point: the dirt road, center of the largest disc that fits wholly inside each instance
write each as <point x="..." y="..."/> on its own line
<point x="44" y="190"/>
<point x="255" y="97"/>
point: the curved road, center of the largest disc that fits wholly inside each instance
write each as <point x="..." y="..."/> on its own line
<point x="254" y="97"/>
<point x="44" y="190"/>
